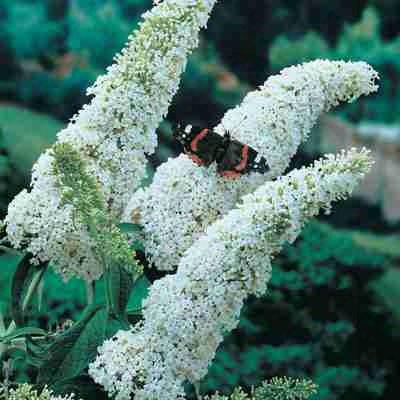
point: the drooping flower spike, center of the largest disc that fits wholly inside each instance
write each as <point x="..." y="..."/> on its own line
<point x="187" y="313"/>
<point x="184" y="199"/>
<point x="112" y="135"/>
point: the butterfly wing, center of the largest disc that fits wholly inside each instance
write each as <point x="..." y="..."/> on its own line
<point x="240" y="159"/>
<point x="200" y="144"/>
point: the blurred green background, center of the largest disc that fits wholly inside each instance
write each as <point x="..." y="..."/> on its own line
<point x="332" y="312"/>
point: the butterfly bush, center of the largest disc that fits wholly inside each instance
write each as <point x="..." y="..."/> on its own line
<point x="184" y="199"/>
<point x="112" y="134"/>
<point x="187" y="313"/>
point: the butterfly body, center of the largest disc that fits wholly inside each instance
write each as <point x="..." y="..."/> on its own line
<point x="204" y="146"/>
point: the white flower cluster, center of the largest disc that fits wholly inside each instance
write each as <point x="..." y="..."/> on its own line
<point x="28" y="392"/>
<point x="112" y="133"/>
<point x="184" y="199"/>
<point x="187" y="313"/>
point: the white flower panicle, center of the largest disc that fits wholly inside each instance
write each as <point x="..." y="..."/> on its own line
<point x="184" y="199"/>
<point x="112" y="133"/>
<point x="278" y="116"/>
<point x="186" y="314"/>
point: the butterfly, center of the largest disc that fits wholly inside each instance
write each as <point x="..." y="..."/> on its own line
<point x="204" y="146"/>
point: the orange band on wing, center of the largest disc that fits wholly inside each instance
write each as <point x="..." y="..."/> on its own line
<point x="197" y="160"/>
<point x="196" y="140"/>
<point x="245" y="156"/>
<point x="230" y="174"/>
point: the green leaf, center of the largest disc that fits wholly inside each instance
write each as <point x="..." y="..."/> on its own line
<point x="118" y="282"/>
<point x="21" y="279"/>
<point x="126" y="227"/>
<point x="20" y="332"/>
<point x="36" y="353"/>
<point x="13" y="352"/>
<point x="70" y="353"/>
<point x="25" y="282"/>
<point x="139" y="293"/>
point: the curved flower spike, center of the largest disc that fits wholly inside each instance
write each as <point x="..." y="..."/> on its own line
<point x="112" y="134"/>
<point x="187" y="313"/>
<point x="184" y="198"/>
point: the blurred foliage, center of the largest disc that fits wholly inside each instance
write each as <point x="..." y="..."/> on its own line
<point x="24" y="135"/>
<point x="97" y="30"/>
<point x="285" y="51"/>
<point x="387" y="288"/>
<point x="29" y="28"/>
<point x="359" y="41"/>
<point x="384" y="244"/>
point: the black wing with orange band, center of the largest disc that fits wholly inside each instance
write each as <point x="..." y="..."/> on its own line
<point x="204" y="146"/>
<point x="241" y="159"/>
<point x="200" y="144"/>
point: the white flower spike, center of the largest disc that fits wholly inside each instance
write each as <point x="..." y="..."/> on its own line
<point x="184" y="199"/>
<point x="187" y="313"/>
<point x="113" y="134"/>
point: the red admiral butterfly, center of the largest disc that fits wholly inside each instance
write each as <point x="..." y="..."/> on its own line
<point x="204" y="146"/>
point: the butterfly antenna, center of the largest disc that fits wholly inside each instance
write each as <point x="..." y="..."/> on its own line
<point x="236" y="127"/>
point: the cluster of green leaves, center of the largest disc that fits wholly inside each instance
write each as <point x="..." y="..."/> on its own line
<point x="42" y="348"/>
<point x="361" y="40"/>
<point x="319" y="314"/>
